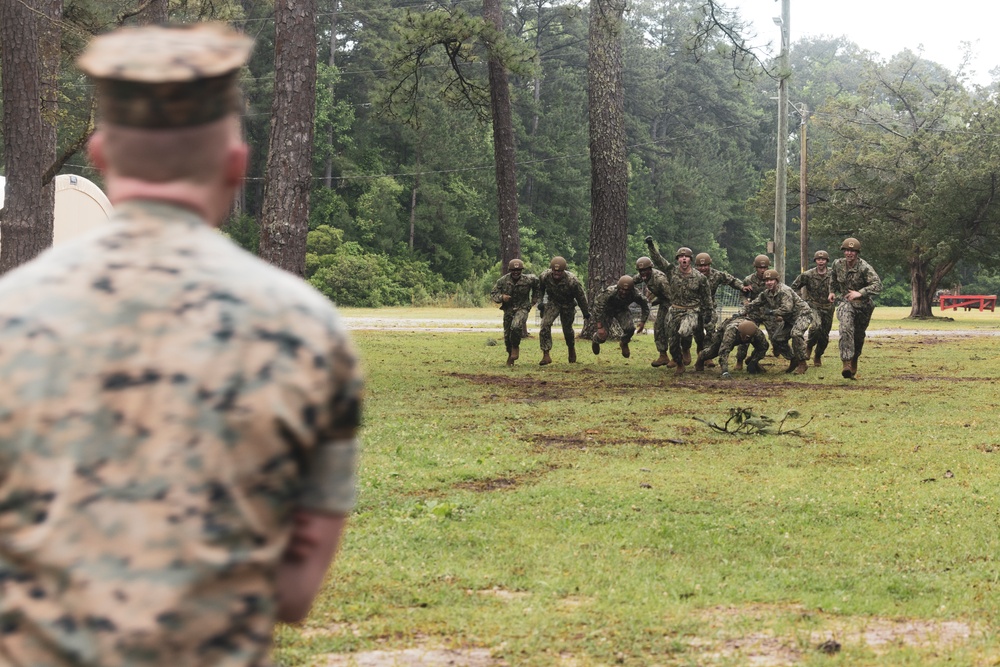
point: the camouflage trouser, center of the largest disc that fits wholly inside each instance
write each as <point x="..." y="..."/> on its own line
<point x="759" y="352"/>
<point x="566" y="315"/>
<point x="797" y="333"/>
<point x="514" y="320"/>
<point x="706" y="330"/>
<point x="624" y="320"/>
<point x="854" y="319"/>
<point x="820" y="338"/>
<point x="661" y="332"/>
<point x="681" y="326"/>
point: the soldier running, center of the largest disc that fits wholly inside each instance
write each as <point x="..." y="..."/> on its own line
<point x="516" y="292"/>
<point x="854" y="282"/>
<point x="564" y="292"/>
<point x="814" y="286"/>
<point x="613" y="304"/>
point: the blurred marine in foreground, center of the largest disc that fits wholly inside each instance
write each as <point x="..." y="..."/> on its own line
<point x="177" y="438"/>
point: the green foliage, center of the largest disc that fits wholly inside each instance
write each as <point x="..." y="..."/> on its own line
<point x="743" y="421"/>
<point x="244" y="230"/>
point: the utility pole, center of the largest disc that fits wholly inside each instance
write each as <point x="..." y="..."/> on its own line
<point x="803" y="225"/>
<point x="781" y="173"/>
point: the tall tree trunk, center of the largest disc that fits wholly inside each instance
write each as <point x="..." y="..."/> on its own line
<point x="285" y="214"/>
<point x="921" y="296"/>
<point x="29" y="58"/>
<point x="608" y="161"/>
<point x="503" y="145"/>
<point x="328" y="167"/>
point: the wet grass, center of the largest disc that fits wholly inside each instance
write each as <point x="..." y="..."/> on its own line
<point x="581" y="515"/>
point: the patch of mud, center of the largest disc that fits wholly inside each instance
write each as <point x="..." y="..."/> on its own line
<point x="527" y="388"/>
<point x="593" y="441"/>
<point x="414" y="657"/>
<point x="494" y="484"/>
<point x="756" y="650"/>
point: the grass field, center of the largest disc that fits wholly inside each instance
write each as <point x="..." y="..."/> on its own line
<point x="582" y="515"/>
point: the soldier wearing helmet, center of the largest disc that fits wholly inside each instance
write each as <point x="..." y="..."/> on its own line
<point x="734" y="331"/>
<point x="516" y="292"/>
<point x="613" y="306"/>
<point x="814" y="286"/>
<point x="716" y="279"/>
<point x="561" y="292"/>
<point x="690" y="302"/>
<point x="755" y="281"/>
<point x="656" y="284"/>
<point x="853" y="283"/>
<point x="790" y="319"/>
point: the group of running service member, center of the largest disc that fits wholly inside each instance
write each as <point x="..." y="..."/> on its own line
<point x="796" y="317"/>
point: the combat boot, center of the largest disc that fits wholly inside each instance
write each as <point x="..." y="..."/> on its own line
<point x="817" y="360"/>
<point x="686" y="357"/>
<point x="699" y="365"/>
<point x="679" y="368"/>
<point x="671" y="364"/>
<point x="661" y="360"/>
<point x="792" y="365"/>
<point x="848" y="371"/>
<point x="625" y="351"/>
<point x="739" y="365"/>
<point x="595" y="345"/>
<point x="754" y="368"/>
<point x="572" y="354"/>
<point x="546" y="358"/>
<point x="854" y="367"/>
<point x="801" y="368"/>
<point x="515" y="352"/>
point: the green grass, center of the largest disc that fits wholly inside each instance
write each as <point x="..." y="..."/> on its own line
<point x="581" y="515"/>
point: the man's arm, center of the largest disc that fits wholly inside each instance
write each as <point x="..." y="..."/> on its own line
<point x="313" y="544"/>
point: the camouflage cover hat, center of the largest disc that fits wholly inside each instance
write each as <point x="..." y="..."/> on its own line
<point x="161" y="77"/>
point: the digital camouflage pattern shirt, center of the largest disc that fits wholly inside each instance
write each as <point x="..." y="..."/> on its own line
<point x="523" y="292"/>
<point x="564" y="293"/>
<point x="166" y="401"/>
<point x="817" y="288"/>
<point x="861" y="277"/>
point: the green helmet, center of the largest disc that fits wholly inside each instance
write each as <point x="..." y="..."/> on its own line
<point x="682" y="251"/>
<point x="626" y="282"/>
<point x="643" y="263"/>
<point x="762" y="262"/>
<point x="747" y="328"/>
<point x="703" y="259"/>
<point x="558" y="263"/>
<point x="851" y="244"/>
<point x="515" y="265"/>
<point x="821" y="254"/>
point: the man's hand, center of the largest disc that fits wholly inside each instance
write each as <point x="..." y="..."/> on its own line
<point x="638" y="329"/>
<point x="505" y="298"/>
<point x="747" y="288"/>
<point x="853" y="294"/>
<point x="832" y="297"/>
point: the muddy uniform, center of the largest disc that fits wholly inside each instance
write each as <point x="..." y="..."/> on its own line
<point x="563" y="297"/>
<point x="523" y="295"/>
<point x="658" y="286"/>
<point x="854" y="316"/>
<point x="167" y="400"/>
<point x="790" y="315"/>
<point x="690" y="305"/>
<point x="756" y="284"/>
<point x="610" y="306"/>
<point x="817" y="292"/>
<point x="726" y="338"/>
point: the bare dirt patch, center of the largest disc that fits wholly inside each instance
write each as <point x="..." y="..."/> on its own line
<point x="505" y="482"/>
<point x="777" y="648"/>
<point x="526" y="388"/>
<point x="587" y="441"/>
<point x="414" y="657"/>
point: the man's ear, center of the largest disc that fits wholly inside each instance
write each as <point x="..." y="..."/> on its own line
<point x="236" y="164"/>
<point x="95" y="151"/>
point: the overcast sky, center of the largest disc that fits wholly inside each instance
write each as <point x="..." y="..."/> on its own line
<point x="889" y="26"/>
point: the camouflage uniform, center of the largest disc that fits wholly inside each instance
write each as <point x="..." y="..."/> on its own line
<point x="791" y="317"/>
<point x="756" y="284"/>
<point x="610" y="306"/>
<point x="817" y="293"/>
<point x="659" y="286"/>
<point x="854" y="316"/>
<point x="523" y="295"/>
<point x="716" y="279"/>
<point x="726" y="338"/>
<point x="563" y="297"/>
<point x="690" y="304"/>
<point x="166" y="401"/>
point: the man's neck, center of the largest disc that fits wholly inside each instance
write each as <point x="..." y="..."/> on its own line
<point x="210" y="203"/>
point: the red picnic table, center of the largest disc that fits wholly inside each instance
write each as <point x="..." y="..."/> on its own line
<point x="968" y="301"/>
